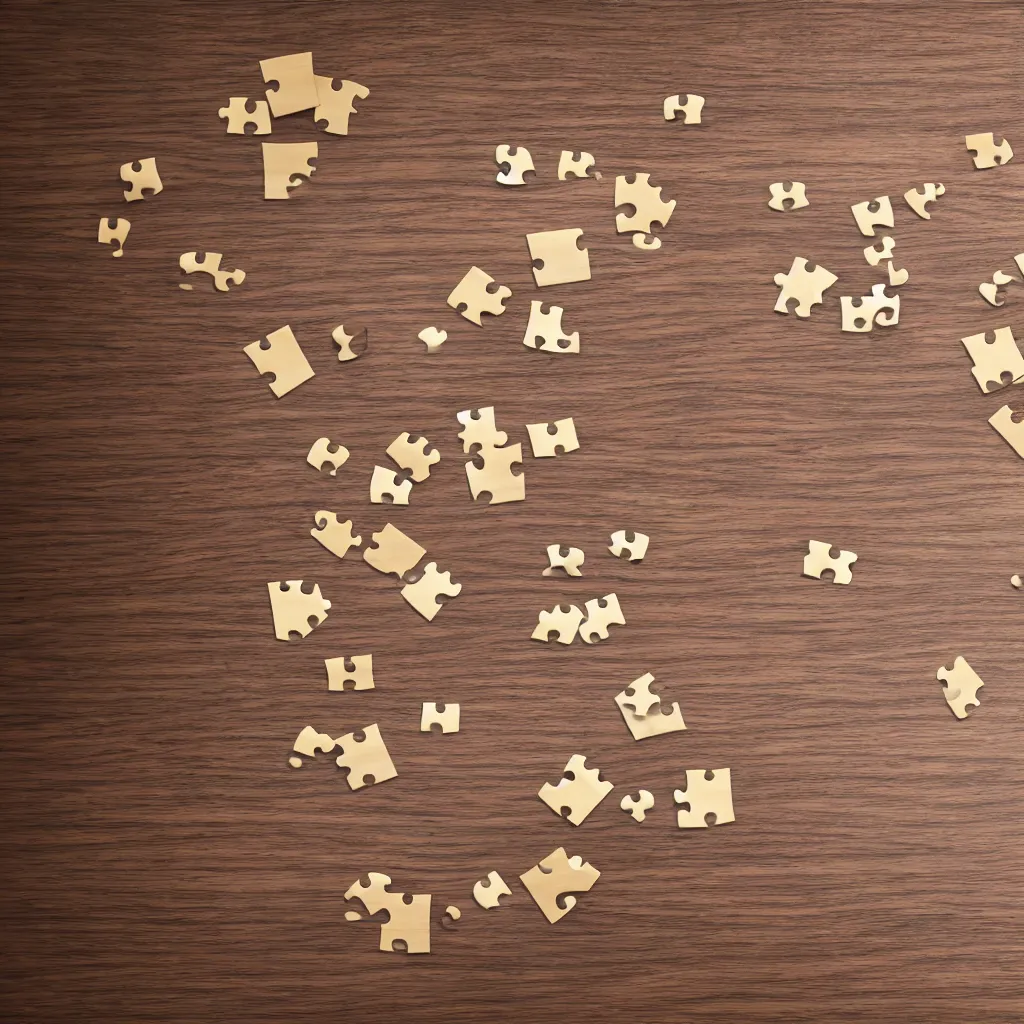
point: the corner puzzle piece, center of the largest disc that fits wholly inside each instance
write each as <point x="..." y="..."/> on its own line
<point x="423" y="593"/>
<point x="335" y="106"/>
<point x="860" y="315"/>
<point x="432" y="338"/>
<point x="642" y="711"/>
<point x="564" y="622"/>
<point x="413" y="456"/>
<point x="367" y="758"/>
<point x="285" y="164"/>
<point x="407" y="922"/>
<point x="631" y="544"/>
<point x="282" y="357"/>
<point x="296" y="84"/>
<point x="570" y="562"/>
<point x="308" y="742"/>
<point x="145" y="178"/>
<point x="238" y="115"/>
<point x="545" y="442"/>
<point x="818" y="559"/>
<point x="555" y="875"/>
<point x="691" y="109"/>
<point x="292" y="608"/>
<point x="487" y="892"/>
<point x="336" y="537"/>
<point x="513" y="162"/>
<point x="919" y="198"/>
<point x="704" y="796"/>
<point x="114" y="231"/>
<point x="211" y="265"/>
<point x="807" y="287"/>
<point x="638" y="805"/>
<point x="795" y="194"/>
<point x="874" y="255"/>
<point x="579" y="792"/>
<point x="994" y="360"/>
<point x="432" y="715"/>
<point x="478" y="428"/>
<point x="1011" y="432"/>
<point x="868" y="218"/>
<point x="546" y="328"/>
<point x="989" y="289"/>
<point x="648" y="209"/>
<point x="960" y="686"/>
<point x="578" y="167"/>
<point x="385" y="482"/>
<point x="601" y="613"/>
<point x="395" y="552"/>
<point x="344" y="341"/>
<point x="356" y="669"/>
<point x="986" y="152"/>
<point x="324" y="451"/>
<point x="472" y="292"/>
<point x="561" y="260"/>
<point x="496" y="477"/>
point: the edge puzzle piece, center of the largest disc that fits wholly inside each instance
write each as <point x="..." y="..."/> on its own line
<point x="367" y="758"/>
<point x="292" y="608"/>
<point x="518" y="161"/>
<point x="356" y="669"/>
<point x="296" y="85"/>
<point x="282" y="357"/>
<point x="335" y="106"/>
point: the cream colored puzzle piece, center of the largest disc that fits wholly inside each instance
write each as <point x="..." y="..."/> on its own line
<point x="518" y="160"/>
<point x="990" y="289"/>
<point x="356" y="669"/>
<point x="283" y="358"/>
<point x="344" y="341"/>
<point x="367" y="758"/>
<point x="432" y="338"/>
<point x="432" y="714"/>
<point x="919" y="198"/>
<point x="599" y="617"/>
<point x="413" y="456"/>
<point x="114" y="231"/>
<point x="472" y="293"/>
<point x="561" y="260"/>
<point x="324" y="451"/>
<point x="211" y="265"/>
<point x="578" y="167"/>
<point x="285" y="164"/>
<point x="545" y="442"/>
<point x="335" y="106"/>
<point x="556" y="875"/>
<point x="296" y="84"/>
<point x="570" y="562"/>
<point x="564" y="622"/>
<point x="994" y="359"/>
<point x="704" y="796"/>
<point x="642" y="711"/>
<point x="634" y="549"/>
<point x="818" y="559"/>
<point x="1012" y="433"/>
<point x="875" y="213"/>
<point x="579" y="792"/>
<point x="544" y="330"/>
<point x="145" y="179"/>
<point x="423" y="593"/>
<point x="691" y="109"/>
<point x="307" y="743"/>
<point x="292" y="608"/>
<point x="897" y="277"/>
<point x="637" y="697"/>
<point x="479" y="429"/>
<point x="648" y="209"/>
<point x="638" y="805"/>
<point x="487" y="892"/>
<point x="807" y="287"/>
<point x="336" y="537"/>
<point x="960" y="686"/>
<point x="874" y="255"/>
<point x="238" y="115"/>
<point x="385" y="482"/>
<point x="796" y="194"/>
<point x="395" y="552"/>
<point x="860" y="315"/>
<point x="986" y="152"/>
<point x="496" y="477"/>
<point x="408" y="923"/>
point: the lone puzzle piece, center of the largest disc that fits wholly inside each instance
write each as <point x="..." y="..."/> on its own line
<point x="487" y="892"/>
<point x="629" y="543"/>
<point x="143" y="176"/>
<point x="495" y="477"/>
<point x="285" y="164"/>
<point x="545" y="442"/>
<point x="544" y="330"/>
<point x="479" y="429"/>
<point x="432" y="338"/>
<point x="292" y="608"/>
<point x="365" y="758"/>
<point x="356" y="669"/>
<point x="818" y="559"/>
<point x="860" y="315"/>
<point x="960" y="686"/>
<point x="642" y="710"/>
<point x="394" y="552"/>
<point x="513" y="162"/>
<point x="805" y="286"/>
<point x="708" y="791"/>
<point x="296" y="84"/>
<point x="335" y="106"/>
<point x="238" y="116"/>
<point x="308" y="742"/>
<point x="556" y="875"/>
<point x="279" y="354"/>
<point x="408" y="922"/>
<point x="995" y="360"/>
<point x="579" y="792"/>
<point x="336" y="537"/>
<point x="690" y="110"/>
<point x="990" y="289"/>
<point x="114" y="231"/>
<point x="602" y="612"/>
<point x="578" y="167"/>
<point x="638" y="806"/>
<point x="1002" y="420"/>
<point x="883" y="251"/>
<point x="344" y="340"/>
<point x="875" y="213"/>
<point x="211" y="265"/>
<point x="325" y="451"/>
<point x="986" y="152"/>
<point x="564" y="622"/>
<point x="422" y="593"/>
<point x="919" y="198"/>
<point x="570" y="562"/>
<point x="444" y="715"/>
<point x="384" y="482"/>
<point x="413" y="456"/>
<point x="796" y="195"/>
<point x="648" y="209"/>
<point x="560" y="259"/>
<point x="472" y="293"/>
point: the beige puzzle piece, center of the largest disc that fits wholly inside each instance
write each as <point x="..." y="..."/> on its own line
<point x="570" y="562"/>
<point x="875" y="213"/>
<point x="544" y="330"/>
<point x="1016" y="582"/>
<point x="367" y="758"/>
<point x="704" y="796"/>
<point x="631" y="543"/>
<point x="796" y="194"/>
<point x="344" y="341"/>
<point x="211" y="265"/>
<point x="556" y="875"/>
<point x="479" y="429"/>
<point x="599" y="617"/>
<point x="282" y="357"/>
<point x="145" y="178"/>
<point x="518" y="161"/>
<point x="292" y="608"/>
<point x="561" y="260"/>
<point x="642" y="711"/>
<point x="990" y="289"/>
<point x="860" y="315"/>
<point x="993" y="360"/>
<point x="960" y="686"/>
<point x="335" y="106"/>
<point x="444" y="715"/>
<point x="487" y="892"/>
<point x="472" y="293"/>
<point x="564" y="622"/>
<point x="423" y="592"/>
<point x="691" y="109"/>
<point x="545" y="442"/>
<point x="638" y="806"/>
<point x="986" y="152"/>
<point x="395" y="552"/>
<point x="324" y="451"/>
<point x="453" y="912"/>
<point x="579" y="792"/>
<point x="285" y="164"/>
<point x="413" y="456"/>
<point x="1002" y="420"/>
<point x="919" y="198"/>
<point x="648" y="209"/>
<point x="296" y="84"/>
<point x="874" y="255"/>
<point x="114" y="230"/>
<point x="408" y="923"/>
<point x="356" y="669"/>
<point x="385" y="483"/>
<point x="432" y="338"/>
<point x="496" y="477"/>
<point x="897" y="277"/>
<point x="578" y="167"/>
<point x="307" y="743"/>
<point x="637" y="697"/>
<point x="336" y="537"/>
<point x="807" y="287"/>
<point x="238" y="116"/>
<point x="818" y="559"/>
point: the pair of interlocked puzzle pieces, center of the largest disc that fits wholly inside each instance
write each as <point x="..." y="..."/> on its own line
<point x="514" y="162"/>
<point x="279" y="355"/>
<point x="591" y="625"/>
<point x="990" y="289"/>
<point x="632" y="545"/>
<point x="363" y="754"/>
<point x="413" y="459"/>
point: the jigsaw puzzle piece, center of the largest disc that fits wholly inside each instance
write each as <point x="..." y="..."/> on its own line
<point x="285" y="164"/>
<point x="601" y="613"/>
<point x="998" y="363"/>
<point x="807" y="287"/>
<point x="986" y="152"/>
<point x="570" y="562"/>
<point x="1011" y="430"/>
<point x="366" y="758"/>
<point x="648" y="209"/>
<point x="279" y="354"/>
<point x="488" y="892"/>
<point x="292" y="608"/>
<point x="444" y="715"/>
<point x="408" y="923"/>
<point x="344" y="341"/>
<point x="545" y="442"/>
<point x="211" y="265"/>
<point x="579" y="792"/>
<point x="357" y="669"/>
<point x="479" y="430"/>
<point x="796" y="195"/>
<point x="495" y="477"/>
<point x="873" y="214"/>
<point x="629" y="543"/>
<point x="557" y="258"/>
<point x="860" y="315"/>
<point x="307" y="743"/>
<point x="708" y="791"/>
<point x="296" y="83"/>
<point x="413" y="456"/>
<point x="513" y="162"/>
<point x="432" y="338"/>
<point x="818" y="559"/>
<point x="143" y="176"/>
<point x="875" y="254"/>
<point x="691" y="109"/>
<point x="335" y="106"/>
<point x="544" y="330"/>
<point x="989" y="289"/>
<point x="960" y="686"/>
<point x="114" y="230"/>
<point x="324" y="451"/>
<point x="423" y="592"/>
<point x="643" y="713"/>
<point x="919" y="198"/>
<point x="564" y="622"/>
<point x="238" y="116"/>
<point x="577" y="166"/>
<point x="395" y="552"/>
<point x="638" y="805"/>
<point x="336" y="537"/>
<point x="556" y="875"/>
<point x="475" y="294"/>
<point x="385" y="483"/>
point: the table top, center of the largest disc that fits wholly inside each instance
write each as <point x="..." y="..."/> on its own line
<point x="165" y="863"/>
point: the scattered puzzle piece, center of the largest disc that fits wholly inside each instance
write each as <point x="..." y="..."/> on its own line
<point x="873" y="214"/>
<point x="473" y="293"/>
<point x="960" y="687"/>
<point x="993" y="361"/>
<point x="308" y="742"/>
<point x="211" y="265"/>
<point x="639" y="805"/>
<point x="806" y="286"/>
<point x="367" y="758"/>
<point x="860" y="315"/>
<point x="145" y="178"/>
<point x="324" y="451"/>
<point x="413" y="457"/>
<point x="990" y="289"/>
<point x="557" y="258"/>
<point x="432" y="338"/>
<point x="513" y="162"/>
<point x="897" y="277"/>
<point x="479" y="429"/>
<point x="452" y="912"/>
<point x="408" y="922"/>
<point x="555" y="875"/>
<point x="578" y="793"/>
<point x="336" y="105"/>
<point x="642" y="711"/>
<point x="986" y="152"/>
<point x="564" y="622"/>
<point x="648" y="209"/>
<point x="444" y="715"/>
<point x="570" y="562"/>
<point x="344" y="342"/>
<point x="631" y="544"/>
<point x="601" y="613"/>
<point x="238" y="115"/>
<point x="818" y="559"/>
<point x="545" y="442"/>
<point x="544" y="330"/>
<point x="336" y="537"/>
<point x="1016" y="582"/>
<point x="279" y="354"/>
<point x="1011" y="431"/>
<point x="708" y="791"/>
<point x="296" y="84"/>
<point x="423" y="592"/>
<point x="285" y="164"/>
<point x="356" y="669"/>
<point x="114" y="231"/>
<point x="395" y="552"/>
<point x="292" y="608"/>
<point x="796" y="194"/>
<point x="495" y="477"/>
<point x="578" y="167"/>
<point x="691" y="109"/>
<point x="919" y="198"/>
<point x="874" y="255"/>
<point x="488" y="892"/>
<point x="385" y="482"/>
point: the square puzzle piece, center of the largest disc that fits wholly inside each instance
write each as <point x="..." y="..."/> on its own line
<point x="336" y="537"/>
<point x="293" y="608"/>
<point x="708" y="791"/>
<point x="285" y="164"/>
<point x="279" y="354"/>
<point x="557" y="258"/>
<point x="648" y="209"/>
<point x="998" y="363"/>
<point x="873" y="213"/>
<point x="818" y="559"/>
<point x="579" y="792"/>
<point x="545" y="442"/>
<point x="495" y="477"/>
<point x="805" y="286"/>
<point x="422" y="593"/>
<point x="385" y="483"/>
<point x="365" y="758"/>
<point x="960" y="686"/>
<point x="1010" y="427"/>
<point x="577" y="166"/>
<point x="238" y="116"/>
<point x="691" y="109"/>
<point x="602" y="612"/>
<point x="335" y="106"/>
<point x="544" y="330"/>
<point x="796" y="195"/>
<point x="473" y="296"/>
<point x="564" y="622"/>
<point x="112" y="230"/>
<point x="986" y="152"/>
<point x="513" y="163"/>
<point x="556" y="875"/>
<point x="143" y="176"/>
<point x="446" y="716"/>
<point x="479" y="429"/>
<point x="394" y="552"/>
<point x="296" y="84"/>
<point x="356" y="669"/>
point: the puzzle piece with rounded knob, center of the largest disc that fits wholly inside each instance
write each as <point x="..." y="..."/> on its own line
<point x="293" y="608"/>
<point x="279" y="354"/>
<point x="960" y="686"/>
<point x="556" y="875"/>
<point x="578" y="792"/>
<point x="336" y="537"/>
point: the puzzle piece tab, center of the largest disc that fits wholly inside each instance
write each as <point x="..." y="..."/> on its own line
<point x="336" y="537"/>
<point x="601" y="613"/>
<point x="873" y="214"/>
<point x="919" y="198"/>
<point x="960" y="686"/>
<point x="323" y="452"/>
<point x="648" y="209"/>
<point x="570" y="562"/>
<point x="144" y="179"/>
<point x="690" y="110"/>
<point x="1011" y="431"/>
<point x="296" y="84"/>
<point x="472" y="292"/>
<point x="579" y="792"/>
<point x="578" y="167"/>
<point x="638" y="805"/>
<point x="807" y="287"/>
<point x="211" y="265"/>
<point x="513" y="162"/>
<point x="545" y="442"/>
<point x="556" y="875"/>
<point x="796" y="195"/>
<point x="395" y="552"/>
<point x="995" y="360"/>
<point x="447" y="719"/>
<point x="564" y="622"/>
<point x="238" y="116"/>
<point x="285" y="164"/>
<point x="413" y="456"/>
<point x="367" y="758"/>
<point x="114" y="231"/>
<point x="874" y="255"/>
<point x="634" y="549"/>
<point x="292" y="608"/>
<point x="335" y="106"/>
<point x="642" y="711"/>
<point x="356" y="669"/>
<point x="487" y="892"/>
<point x="423" y="592"/>
<point x="495" y="477"/>
<point x="704" y="796"/>
<point x="860" y="315"/>
<point x="818" y="559"/>
<point x="282" y="357"/>
<point x="544" y="330"/>
<point x="385" y="483"/>
<point x="561" y="260"/>
<point x="986" y="152"/>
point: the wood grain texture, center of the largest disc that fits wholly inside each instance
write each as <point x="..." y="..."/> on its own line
<point x="162" y="861"/>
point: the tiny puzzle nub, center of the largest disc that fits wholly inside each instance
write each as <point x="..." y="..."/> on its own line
<point x="295" y="610"/>
<point x="578" y="793"/>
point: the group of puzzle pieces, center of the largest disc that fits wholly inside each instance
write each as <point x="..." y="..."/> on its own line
<point x="623" y="543"/>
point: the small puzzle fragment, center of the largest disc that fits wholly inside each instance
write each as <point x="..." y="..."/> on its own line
<point x="570" y="562"/>
<point x="385" y="483"/>
<point x="578" y="793"/>
<point x="487" y="892"/>
<point x="564" y="622"/>
<point x="818" y="559"/>
<point x="239" y="116"/>
<point x="307" y="743"/>
<point x="638" y="806"/>
<point x="897" y="277"/>
<point x="997" y="363"/>
<point x="806" y="287"/>
<point x="344" y="341"/>
<point x="408" y="921"/>
<point x="629" y="543"/>
<point x="143" y="176"/>
<point x="648" y="209"/>
<point x="544" y="330"/>
<point x="336" y="537"/>
<point x="990" y="289"/>
<point x="474" y="293"/>
<point x="960" y="686"/>
<point x="556" y="875"/>
<point x="577" y="166"/>
<point x="323" y="452"/>
<point x="707" y="792"/>
<point x="394" y="552"/>
<point x="1016" y="582"/>
<point x="335" y="106"/>
<point x="292" y="608"/>
<point x="356" y="669"/>
<point x="279" y="354"/>
<point x="513" y="162"/>
<point x="452" y="912"/>
<point x="602" y="612"/>
<point x="111" y="231"/>
<point x="919" y="198"/>
<point x="873" y="214"/>
<point x="691" y="109"/>
<point x="423" y="593"/>
<point x="432" y="338"/>
<point x="642" y="711"/>
<point x="986" y="152"/>
<point x="365" y="758"/>
<point x="413" y="456"/>
<point x="296" y="84"/>
<point x="444" y="715"/>
<point x="211" y="265"/>
<point x="479" y="429"/>
<point x="545" y="442"/>
<point x="495" y="477"/>
<point x="860" y="315"/>
<point x="285" y="164"/>
<point x="557" y="259"/>
<point x="1009" y="429"/>
<point x="795" y="195"/>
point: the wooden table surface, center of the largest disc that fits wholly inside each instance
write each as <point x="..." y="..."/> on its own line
<point x="163" y="862"/>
